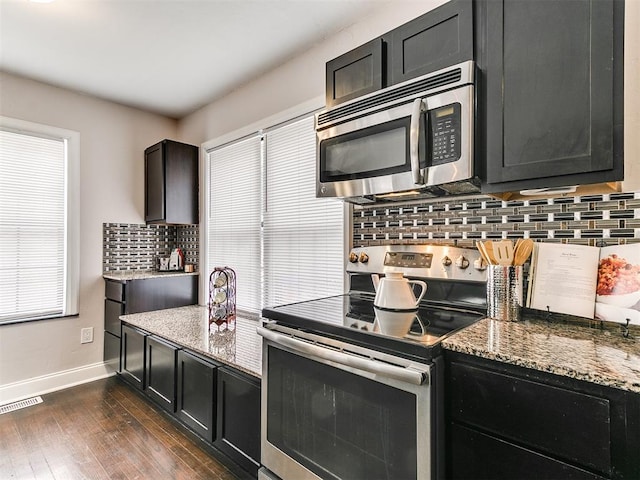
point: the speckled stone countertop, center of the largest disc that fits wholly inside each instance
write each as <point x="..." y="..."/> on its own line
<point x="126" y="275"/>
<point x="601" y="356"/>
<point x="239" y="346"/>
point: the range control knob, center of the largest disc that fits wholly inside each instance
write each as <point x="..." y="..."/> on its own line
<point x="446" y="261"/>
<point x="462" y="262"/>
<point x="353" y="258"/>
<point x="364" y="258"/>
<point x="479" y="264"/>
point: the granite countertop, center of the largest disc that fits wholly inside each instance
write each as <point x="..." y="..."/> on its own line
<point x="240" y="346"/>
<point x="598" y="355"/>
<point x="126" y="275"/>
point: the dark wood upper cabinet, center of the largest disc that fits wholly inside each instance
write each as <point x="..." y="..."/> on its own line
<point x="171" y="183"/>
<point x="550" y="91"/>
<point x="435" y="40"/>
<point x="355" y="73"/>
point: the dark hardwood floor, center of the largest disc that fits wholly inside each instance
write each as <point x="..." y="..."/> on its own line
<point x="103" y="430"/>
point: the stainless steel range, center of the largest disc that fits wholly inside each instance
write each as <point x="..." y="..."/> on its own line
<point x="352" y="383"/>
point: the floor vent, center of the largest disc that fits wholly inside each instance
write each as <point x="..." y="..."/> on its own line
<point x="10" y="407"/>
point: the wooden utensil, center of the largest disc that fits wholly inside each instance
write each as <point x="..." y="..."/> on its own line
<point x="504" y="252"/>
<point x="483" y="252"/>
<point x="522" y="251"/>
<point x="488" y="247"/>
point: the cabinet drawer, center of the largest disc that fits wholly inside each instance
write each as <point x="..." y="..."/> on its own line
<point x="355" y="73"/>
<point x="479" y="456"/>
<point x="114" y="290"/>
<point x="112" y="312"/>
<point x="565" y="424"/>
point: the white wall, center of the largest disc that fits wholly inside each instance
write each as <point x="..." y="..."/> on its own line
<point x="296" y="84"/>
<point x="47" y="354"/>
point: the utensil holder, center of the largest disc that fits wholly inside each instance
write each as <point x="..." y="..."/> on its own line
<point x="504" y="292"/>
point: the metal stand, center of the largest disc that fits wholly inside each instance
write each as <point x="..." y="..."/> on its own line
<point x="222" y="297"/>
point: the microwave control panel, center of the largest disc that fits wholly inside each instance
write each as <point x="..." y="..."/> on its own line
<point x="445" y="134"/>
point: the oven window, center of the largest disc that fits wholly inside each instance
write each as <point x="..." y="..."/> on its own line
<point x="337" y="424"/>
<point x="369" y="152"/>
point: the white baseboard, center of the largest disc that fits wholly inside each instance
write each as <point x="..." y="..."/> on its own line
<point x="13" y="392"/>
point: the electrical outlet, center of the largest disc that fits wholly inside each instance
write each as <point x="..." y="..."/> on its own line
<point x="86" y="335"/>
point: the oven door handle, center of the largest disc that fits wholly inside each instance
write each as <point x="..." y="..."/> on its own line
<point x="414" y="139"/>
<point x="408" y="375"/>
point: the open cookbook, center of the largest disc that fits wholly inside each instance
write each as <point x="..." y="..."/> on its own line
<point x="591" y="282"/>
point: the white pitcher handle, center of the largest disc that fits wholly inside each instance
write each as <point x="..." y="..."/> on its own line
<point x="424" y="289"/>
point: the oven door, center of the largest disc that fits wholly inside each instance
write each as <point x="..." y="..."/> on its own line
<point x="337" y="411"/>
<point x="427" y="141"/>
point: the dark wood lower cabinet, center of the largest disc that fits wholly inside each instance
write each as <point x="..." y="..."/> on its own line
<point x="112" y="351"/>
<point x="506" y="422"/>
<point x="480" y="456"/>
<point x="238" y="422"/>
<point x="218" y="403"/>
<point x="133" y="356"/>
<point x="160" y="372"/>
<point x="197" y="394"/>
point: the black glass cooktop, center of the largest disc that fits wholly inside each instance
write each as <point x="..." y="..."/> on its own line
<point x="352" y="317"/>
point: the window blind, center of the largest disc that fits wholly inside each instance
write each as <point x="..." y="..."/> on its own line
<point x="234" y="217"/>
<point x="303" y="235"/>
<point x="32" y="226"/>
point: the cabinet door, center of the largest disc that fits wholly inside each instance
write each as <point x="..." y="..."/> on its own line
<point x="154" y="204"/>
<point x="355" y="73"/>
<point x="552" y="83"/>
<point x="238" y="422"/>
<point x="160" y="373"/>
<point x="133" y="352"/>
<point x="181" y="182"/>
<point x="196" y="394"/>
<point x="438" y="39"/>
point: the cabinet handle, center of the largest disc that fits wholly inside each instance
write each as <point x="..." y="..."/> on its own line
<point x="310" y="350"/>
<point x="414" y="139"/>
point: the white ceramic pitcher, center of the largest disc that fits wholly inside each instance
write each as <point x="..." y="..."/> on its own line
<point x="394" y="292"/>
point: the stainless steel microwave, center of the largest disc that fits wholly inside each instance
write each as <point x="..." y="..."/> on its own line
<point x="411" y="139"/>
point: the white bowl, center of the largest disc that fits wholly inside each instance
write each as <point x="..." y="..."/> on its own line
<point x="626" y="300"/>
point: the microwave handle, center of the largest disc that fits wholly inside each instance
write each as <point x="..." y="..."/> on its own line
<point x="414" y="139"/>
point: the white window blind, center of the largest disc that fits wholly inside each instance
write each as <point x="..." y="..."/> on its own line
<point x="38" y="274"/>
<point x="235" y="215"/>
<point x="303" y="235"/>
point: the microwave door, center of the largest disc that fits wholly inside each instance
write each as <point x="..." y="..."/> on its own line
<point x="366" y="156"/>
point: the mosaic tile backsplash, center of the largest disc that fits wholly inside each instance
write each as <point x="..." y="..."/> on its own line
<point x="595" y="220"/>
<point x="137" y="247"/>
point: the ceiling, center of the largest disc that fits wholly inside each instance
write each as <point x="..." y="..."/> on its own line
<point x="166" y="56"/>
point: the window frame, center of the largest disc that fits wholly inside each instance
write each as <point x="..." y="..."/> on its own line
<point x="71" y="140"/>
<point x="254" y="129"/>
